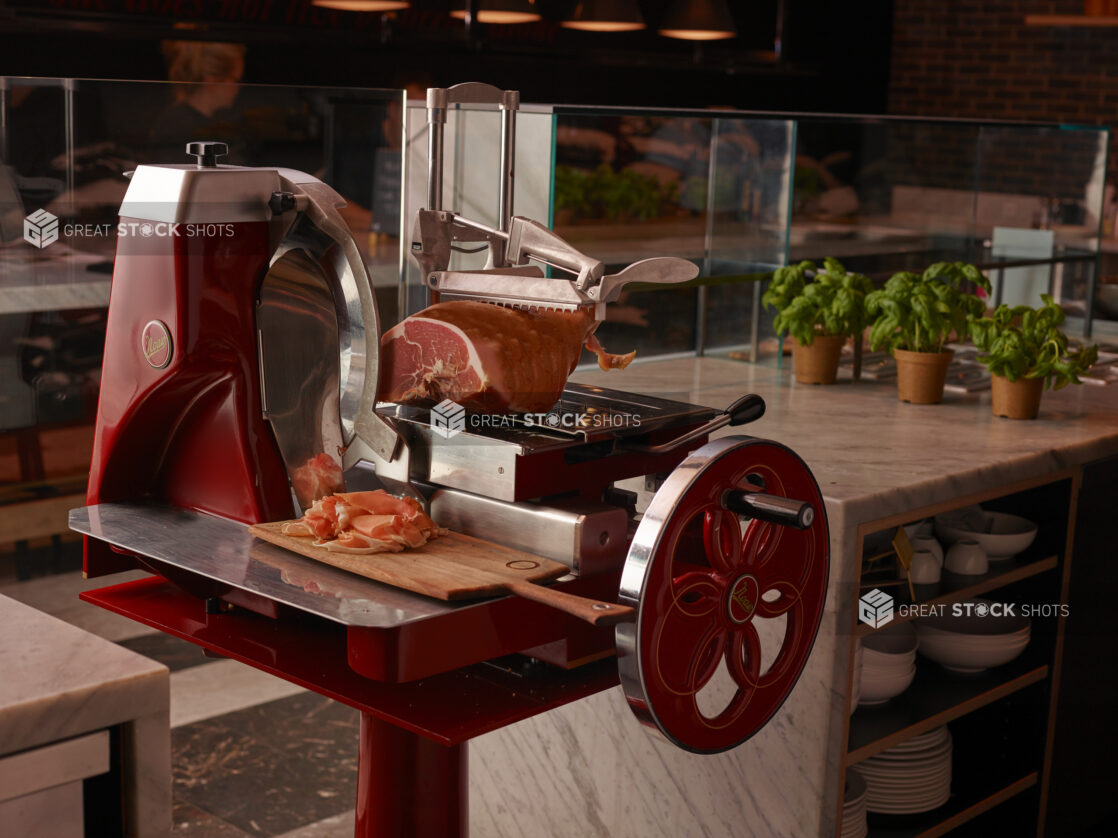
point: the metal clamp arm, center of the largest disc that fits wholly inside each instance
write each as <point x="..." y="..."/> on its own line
<point x="530" y="239"/>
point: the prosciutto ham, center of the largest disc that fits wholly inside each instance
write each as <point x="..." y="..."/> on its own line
<point x="365" y="522"/>
<point x="488" y="357"/>
<point x="317" y="477"/>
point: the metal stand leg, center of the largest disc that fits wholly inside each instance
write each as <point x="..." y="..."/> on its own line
<point x="408" y="785"/>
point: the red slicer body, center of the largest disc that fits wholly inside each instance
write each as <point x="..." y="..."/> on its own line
<point x="181" y="418"/>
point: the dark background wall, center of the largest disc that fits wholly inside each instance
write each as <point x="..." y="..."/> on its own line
<point x="832" y="60"/>
<point x="966" y="58"/>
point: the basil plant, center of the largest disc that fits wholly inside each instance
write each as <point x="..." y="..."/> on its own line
<point x="1022" y="342"/>
<point x="919" y="312"/>
<point x="810" y="302"/>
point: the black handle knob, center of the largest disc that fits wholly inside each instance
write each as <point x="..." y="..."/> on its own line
<point x="281" y="202"/>
<point x="772" y="508"/>
<point x="207" y="152"/>
<point x="747" y="409"/>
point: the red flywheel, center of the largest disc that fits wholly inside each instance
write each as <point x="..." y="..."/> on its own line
<point x="728" y="602"/>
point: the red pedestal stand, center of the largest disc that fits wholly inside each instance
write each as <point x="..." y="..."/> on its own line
<point x="408" y="785"/>
<point x="412" y="778"/>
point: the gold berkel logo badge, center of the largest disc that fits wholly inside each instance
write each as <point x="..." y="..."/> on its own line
<point x="155" y="342"/>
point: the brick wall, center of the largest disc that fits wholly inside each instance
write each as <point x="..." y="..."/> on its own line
<point x="966" y="58"/>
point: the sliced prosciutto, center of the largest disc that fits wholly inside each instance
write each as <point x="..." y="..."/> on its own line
<point x="319" y="476"/>
<point x="487" y="357"/>
<point x="365" y="522"/>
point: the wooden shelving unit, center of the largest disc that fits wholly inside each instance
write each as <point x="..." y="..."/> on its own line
<point x="1021" y="691"/>
<point x="954" y="588"/>
<point x="951" y="815"/>
<point x="935" y="698"/>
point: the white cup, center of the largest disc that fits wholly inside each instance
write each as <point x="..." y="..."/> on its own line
<point x="929" y="543"/>
<point x="924" y="569"/>
<point x="967" y="557"/>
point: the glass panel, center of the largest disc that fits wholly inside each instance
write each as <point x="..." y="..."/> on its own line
<point x="899" y="194"/>
<point x="883" y="195"/>
<point x="712" y="187"/>
<point x="65" y="148"/>
<point x="1039" y="199"/>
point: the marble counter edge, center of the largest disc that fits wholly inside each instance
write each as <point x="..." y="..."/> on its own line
<point x="51" y="709"/>
<point x="958" y="483"/>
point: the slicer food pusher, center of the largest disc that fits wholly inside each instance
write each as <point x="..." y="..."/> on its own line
<point x="508" y="278"/>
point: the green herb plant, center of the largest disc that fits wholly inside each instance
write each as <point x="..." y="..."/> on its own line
<point x="832" y="302"/>
<point x="1022" y="342"/>
<point x="919" y="312"/>
<point x="604" y="193"/>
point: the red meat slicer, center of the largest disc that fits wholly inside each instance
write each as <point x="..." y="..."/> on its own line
<point x="243" y="343"/>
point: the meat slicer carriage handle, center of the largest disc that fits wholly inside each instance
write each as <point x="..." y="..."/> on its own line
<point x="595" y="612"/>
<point x="727" y="613"/>
<point x="749" y="408"/>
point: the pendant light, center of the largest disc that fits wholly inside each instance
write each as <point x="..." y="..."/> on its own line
<point x="502" y="11"/>
<point x="363" y="5"/>
<point x="698" y="20"/>
<point x="606" y="16"/>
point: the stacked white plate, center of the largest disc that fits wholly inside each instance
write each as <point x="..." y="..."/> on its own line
<point x="974" y="640"/>
<point x="915" y="776"/>
<point x="888" y="663"/>
<point x="854" y="806"/>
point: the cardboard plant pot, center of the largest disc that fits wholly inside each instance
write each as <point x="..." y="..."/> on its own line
<point x="818" y="363"/>
<point x="921" y="375"/>
<point x="1018" y="399"/>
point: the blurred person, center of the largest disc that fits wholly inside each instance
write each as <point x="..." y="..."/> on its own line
<point x="209" y="76"/>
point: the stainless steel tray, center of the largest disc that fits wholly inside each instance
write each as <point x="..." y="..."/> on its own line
<point x="223" y="550"/>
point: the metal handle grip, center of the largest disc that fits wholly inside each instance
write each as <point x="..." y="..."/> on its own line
<point x="787" y="512"/>
<point x="473" y="93"/>
<point x="748" y="408"/>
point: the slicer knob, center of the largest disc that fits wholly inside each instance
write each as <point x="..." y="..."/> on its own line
<point x="207" y="152"/>
<point x="281" y="202"/>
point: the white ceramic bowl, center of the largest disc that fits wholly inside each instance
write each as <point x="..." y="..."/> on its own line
<point x="967" y="558"/>
<point x="925" y="569"/>
<point x="878" y="688"/>
<point x="975" y="618"/>
<point x="897" y="639"/>
<point x="968" y="657"/>
<point x="970" y="642"/>
<point x="1001" y="535"/>
<point x="929" y="543"/>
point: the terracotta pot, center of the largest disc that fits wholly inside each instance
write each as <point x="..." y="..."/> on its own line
<point x="921" y="375"/>
<point x="1016" y="399"/>
<point x="818" y="363"/>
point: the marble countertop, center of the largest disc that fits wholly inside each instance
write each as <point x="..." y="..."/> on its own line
<point x="58" y="681"/>
<point x="875" y="456"/>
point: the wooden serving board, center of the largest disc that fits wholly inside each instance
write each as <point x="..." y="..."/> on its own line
<point x="456" y="567"/>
